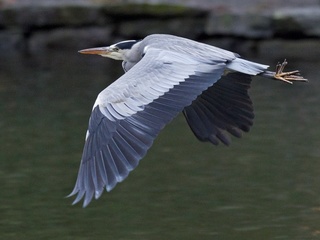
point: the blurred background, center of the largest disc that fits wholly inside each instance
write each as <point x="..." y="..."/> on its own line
<point x="264" y="186"/>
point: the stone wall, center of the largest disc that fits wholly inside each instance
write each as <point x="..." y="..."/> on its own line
<point x="36" y="28"/>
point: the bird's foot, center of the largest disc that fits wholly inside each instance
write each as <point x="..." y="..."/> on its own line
<point x="288" y="77"/>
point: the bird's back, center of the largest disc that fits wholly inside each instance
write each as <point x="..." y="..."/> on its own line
<point x="202" y="52"/>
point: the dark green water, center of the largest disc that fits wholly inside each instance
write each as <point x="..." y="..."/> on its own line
<point x="264" y="186"/>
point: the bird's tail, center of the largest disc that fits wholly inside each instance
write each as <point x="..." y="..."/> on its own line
<point x="246" y="67"/>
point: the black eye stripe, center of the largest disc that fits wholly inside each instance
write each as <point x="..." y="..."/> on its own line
<point x="126" y="44"/>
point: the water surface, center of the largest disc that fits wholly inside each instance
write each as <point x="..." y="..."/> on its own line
<point x="264" y="186"/>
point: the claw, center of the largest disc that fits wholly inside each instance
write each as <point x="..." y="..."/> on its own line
<point x="288" y="77"/>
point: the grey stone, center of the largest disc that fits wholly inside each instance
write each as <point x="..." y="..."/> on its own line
<point x="151" y="10"/>
<point x="11" y="40"/>
<point x="69" y="38"/>
<point x="244" y="25"/>
<point x="297" y="21"/>
<point x="42" y="17"/>
<point x="186" y="27"/>
<point x="42" y="26"/>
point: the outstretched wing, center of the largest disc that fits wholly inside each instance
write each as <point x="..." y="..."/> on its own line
<point x="129" y="114"/>
<point x="224" y="107"/>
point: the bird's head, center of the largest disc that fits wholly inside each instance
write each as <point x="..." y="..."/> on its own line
<point x="115" y="51"/>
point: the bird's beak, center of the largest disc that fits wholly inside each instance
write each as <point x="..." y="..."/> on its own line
<point x="99" y="51"/>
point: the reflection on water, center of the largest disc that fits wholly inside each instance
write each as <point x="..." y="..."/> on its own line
<point x="265" y="186"/>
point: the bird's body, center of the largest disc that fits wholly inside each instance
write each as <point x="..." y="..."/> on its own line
<point x="164" y="75"/>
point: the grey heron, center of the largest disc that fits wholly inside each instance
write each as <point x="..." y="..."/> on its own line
<point x="164" y="75"/>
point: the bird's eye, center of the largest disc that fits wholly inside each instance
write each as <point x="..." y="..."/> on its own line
<point x="116" y="49"/>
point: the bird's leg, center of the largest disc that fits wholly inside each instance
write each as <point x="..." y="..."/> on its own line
<point x="287" y="77"/>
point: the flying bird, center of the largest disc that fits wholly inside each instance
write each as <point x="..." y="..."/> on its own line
<point x="164" y="75"/>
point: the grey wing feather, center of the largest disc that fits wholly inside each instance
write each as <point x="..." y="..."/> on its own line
<point x="224" y="107"/>
<point x="129" y="114"/>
